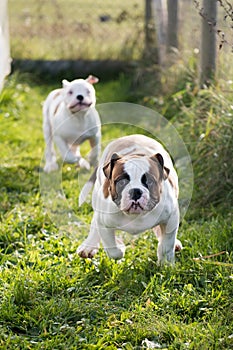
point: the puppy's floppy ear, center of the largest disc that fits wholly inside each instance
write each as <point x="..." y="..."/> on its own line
<point x="91" y="79"/>
<point x="65" y="83"/>
<point x="159" y="158"/>
<point x="107" y="169"/>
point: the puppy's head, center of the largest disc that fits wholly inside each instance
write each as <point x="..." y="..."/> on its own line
<point x="135" y="183"/>
<point x="79" y="94"/>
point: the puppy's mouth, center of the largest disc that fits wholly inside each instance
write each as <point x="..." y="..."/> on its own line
<point x="78" y="106"/>
<point x="134" y="208"/>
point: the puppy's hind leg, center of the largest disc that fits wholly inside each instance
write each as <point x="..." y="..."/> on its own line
<point x="50" y="155"/>
<point x="168" y="243"/>
<point x="95" y="143"/>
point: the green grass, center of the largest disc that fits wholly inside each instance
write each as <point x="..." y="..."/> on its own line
<point x="49" y="297"/>
<point x="52" y="299"/>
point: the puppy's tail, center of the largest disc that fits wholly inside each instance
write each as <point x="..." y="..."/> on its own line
<point x="87" y="188"/>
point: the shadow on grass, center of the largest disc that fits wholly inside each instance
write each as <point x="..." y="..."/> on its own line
<point x="18" y="184"/>
<point x="50" y="69"/>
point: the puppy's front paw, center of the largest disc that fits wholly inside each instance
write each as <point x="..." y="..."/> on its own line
<point x="84" y="164"/>
<point x="117" y="252"/>
<point x="178" y="245"/>
<point x="86" y="251"/>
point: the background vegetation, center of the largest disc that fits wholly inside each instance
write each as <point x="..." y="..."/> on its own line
<point x="67" y="29"/>
<point x="49" y="297"/>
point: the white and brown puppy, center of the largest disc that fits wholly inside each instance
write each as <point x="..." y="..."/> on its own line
<point x="136" y="188"/>
<point x="70" y="118"/>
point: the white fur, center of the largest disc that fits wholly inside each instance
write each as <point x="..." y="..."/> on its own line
<point x="108" y="217"/>
<point x="70" y="118"/>
<point x="136" y="168"/>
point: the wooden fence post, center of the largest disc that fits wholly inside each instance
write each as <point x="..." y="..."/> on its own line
<point x="208" y="42"/>
<point x="151" y="52"/>
<point x="172" y="24"/>
<point x="160" y="22"/>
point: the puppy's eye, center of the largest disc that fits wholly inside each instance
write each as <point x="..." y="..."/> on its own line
<point x="70" y="92"/>
<point x="88" y="91"/>
<point x="147" y="180"/>
<point x="122" y="181"/>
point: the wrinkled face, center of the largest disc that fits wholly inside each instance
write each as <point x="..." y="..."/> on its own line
<point x="135" y="185"/>
<point x="78" y="95"/>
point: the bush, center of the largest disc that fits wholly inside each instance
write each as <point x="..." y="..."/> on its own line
<point x="212" y="134"/>
<point x="204" y="119"/>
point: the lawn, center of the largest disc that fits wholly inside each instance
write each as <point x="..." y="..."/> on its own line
<point x="52" y="299"/>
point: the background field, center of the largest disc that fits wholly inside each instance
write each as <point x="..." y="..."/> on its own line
<point x="49" y="297"/>
<point x="76" y="29"/>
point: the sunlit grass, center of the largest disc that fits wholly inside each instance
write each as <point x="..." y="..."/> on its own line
<point x="49" y="297"/>
<point x="52" y="299"/>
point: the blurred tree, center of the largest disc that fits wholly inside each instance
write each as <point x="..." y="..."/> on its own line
<point x="160" y="20"/>
<point x="172" y="24"/>
<point x="151" y="52"/>
<point x="208" y="42"/>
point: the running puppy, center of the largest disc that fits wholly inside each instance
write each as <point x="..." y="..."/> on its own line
<point x="135" y="189"/>
<point x="70" y="118"/>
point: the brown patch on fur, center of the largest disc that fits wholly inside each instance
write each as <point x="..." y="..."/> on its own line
<point x="158" y="173"/>
<point x="106" y="188"/>
<point x="156" y="169"/>
<point x="56" y="95"/>
<point x="92" y="142"/>
<point x="56" y="109"/>
<point x="115" y="172"/>
<point x="163" y="170"/>
<point x="164" y="173"/>
<point x="173" y="184"/>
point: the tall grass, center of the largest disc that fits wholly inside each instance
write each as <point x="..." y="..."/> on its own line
<point x="204" y="119"/>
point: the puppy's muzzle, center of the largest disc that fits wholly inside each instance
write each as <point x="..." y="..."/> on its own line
<point x="80" y="104"/>
<point x="135" y="194"/>
<point x="80" y="98"/>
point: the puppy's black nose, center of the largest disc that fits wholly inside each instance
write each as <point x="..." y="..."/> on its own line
<point x="80" y="97"/>
<point x="135" y="193"/>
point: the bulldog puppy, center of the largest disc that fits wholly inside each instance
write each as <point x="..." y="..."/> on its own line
<point x="135" y="189"/>
<point x="70" y="118"/>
